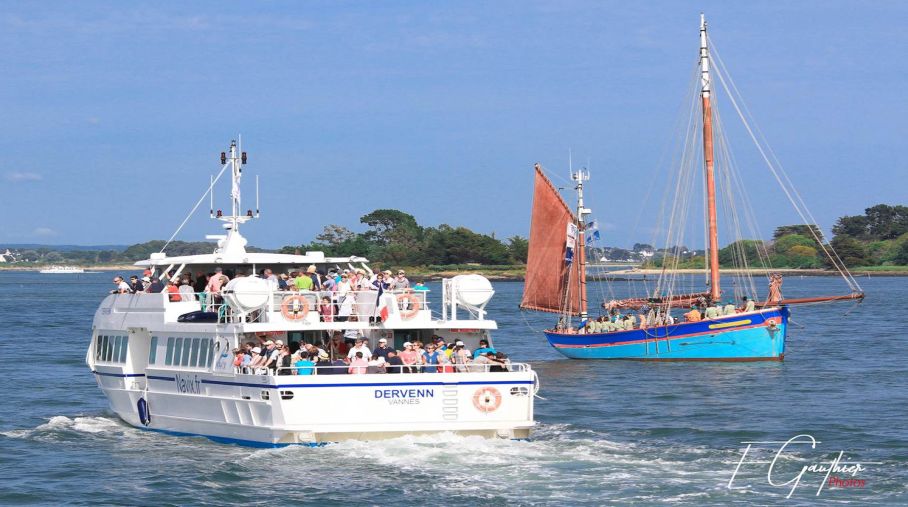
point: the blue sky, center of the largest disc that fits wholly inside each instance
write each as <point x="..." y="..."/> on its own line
<point x="114" y="112"/>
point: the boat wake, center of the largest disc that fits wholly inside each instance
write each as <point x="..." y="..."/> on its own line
<point x="562" y="463"/>
<point x="61" y="427"/>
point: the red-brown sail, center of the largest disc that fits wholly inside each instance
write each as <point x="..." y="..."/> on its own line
<point x="551" y="284"/>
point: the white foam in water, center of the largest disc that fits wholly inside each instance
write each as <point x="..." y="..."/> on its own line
<point x="61" y="424"/>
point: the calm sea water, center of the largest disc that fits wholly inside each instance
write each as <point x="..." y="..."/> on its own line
<point x="609" y="432"/>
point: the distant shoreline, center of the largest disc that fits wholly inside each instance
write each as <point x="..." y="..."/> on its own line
<point x="518" y="274"/>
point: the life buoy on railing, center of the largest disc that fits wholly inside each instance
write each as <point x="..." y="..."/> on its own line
<point x="487" y="399"/>
<point x="408" y="304"/>
<point x="144" y="414"/>
<point x="294" y="307"/>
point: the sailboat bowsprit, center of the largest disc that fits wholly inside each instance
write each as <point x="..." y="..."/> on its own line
<point x="556" y="283"/>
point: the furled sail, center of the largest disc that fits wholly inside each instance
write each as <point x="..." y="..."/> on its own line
<point x="556" y="257"/>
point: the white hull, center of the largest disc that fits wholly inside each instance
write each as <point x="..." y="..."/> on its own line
<point x="324" y="408"/>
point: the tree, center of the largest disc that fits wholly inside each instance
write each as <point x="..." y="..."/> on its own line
<point x="901" y="255"/>
<point x="384" y="222"/>
<point x="786" y="243"/>
<point x="751" y="249"/>
<point x="854" y="226"/>
<point x="335" y="235"/>
<point x="886" y="222"/>
<point x="850" y="250"/>
<point x="519" y="248"/>
<point x="799" y="229"/>
<point x="641" y="247"/>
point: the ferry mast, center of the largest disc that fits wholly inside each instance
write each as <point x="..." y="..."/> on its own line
<point x="233" y="241"/>
<point x="714" y="291"/>
<point x="581" y="176"/>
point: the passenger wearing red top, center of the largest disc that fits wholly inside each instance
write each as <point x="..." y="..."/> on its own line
<point x="174" y="290"/>
<point x="338" y="346"/>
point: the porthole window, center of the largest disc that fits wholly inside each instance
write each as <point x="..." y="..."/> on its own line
<point x="286" y="395"/>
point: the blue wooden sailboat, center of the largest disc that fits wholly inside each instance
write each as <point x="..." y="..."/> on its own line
<point x="644" y="328"/>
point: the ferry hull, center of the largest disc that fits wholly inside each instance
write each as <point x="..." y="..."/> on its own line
<point x="755" y="336"/>
<point x="259" y="411"/>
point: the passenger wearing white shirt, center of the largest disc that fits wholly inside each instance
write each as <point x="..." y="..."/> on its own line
<point x="359" y="347"/>
<point x="186" y="292"/>
<point x="271" y="278"/>
<point x="122" y="286"/>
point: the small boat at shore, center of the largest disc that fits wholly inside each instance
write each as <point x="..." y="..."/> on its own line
<point x="643" y="328"/>
<point x="167" y="361"/>
<point x="62" y="270"/>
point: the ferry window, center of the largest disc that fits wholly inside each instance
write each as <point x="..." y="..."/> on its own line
<point x="205" y="354"/>
<point x="196" y="352"/>
<point x="123" y="348"/>
<point x="177" y="350"/>
<point x="108" y="347"/>
<point x="153" y="350"/>
<point x="98" y="348"/>
<point x="168" y="359"/>
<point x="117" y="343"/>
<point x="187" y="346"/>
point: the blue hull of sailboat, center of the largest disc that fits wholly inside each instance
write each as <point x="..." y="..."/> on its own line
<point x="755" y="336"/>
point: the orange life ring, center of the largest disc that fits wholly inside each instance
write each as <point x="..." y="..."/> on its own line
<point x="413" y="307"/>
<point x="487" y="399"/>
<point x="294" y="307"/>
<point x="772" y="322"/>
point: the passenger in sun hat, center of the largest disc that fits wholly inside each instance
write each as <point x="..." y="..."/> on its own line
<point x="400" y="282"/>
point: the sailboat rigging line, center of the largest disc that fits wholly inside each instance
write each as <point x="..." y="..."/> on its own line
<point x="527" y="322"/>
<point x="670" y="146"/>
<point x="684" y="181"/>
<point x="794" y="199"/>
<point x="194" y="208"/>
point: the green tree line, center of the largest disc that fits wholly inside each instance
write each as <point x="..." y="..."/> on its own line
<point x="393" y="237"/>
<point x="879" y="237"/>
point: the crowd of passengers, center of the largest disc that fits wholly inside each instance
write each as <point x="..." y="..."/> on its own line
<point x="336" y="284"/>
<point x="647" y="317"/>
<point x="342" y="356"/>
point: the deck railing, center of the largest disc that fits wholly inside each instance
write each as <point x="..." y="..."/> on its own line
<point x="362" y="306"/>
<point x="414" y="369"/>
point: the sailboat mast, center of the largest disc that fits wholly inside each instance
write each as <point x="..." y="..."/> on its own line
<point x="714" y="290"/>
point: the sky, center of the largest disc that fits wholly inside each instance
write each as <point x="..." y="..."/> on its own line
<point x="114" y="113"/>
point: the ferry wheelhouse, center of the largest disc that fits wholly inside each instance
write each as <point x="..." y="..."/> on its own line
<point x="167" y="365"/>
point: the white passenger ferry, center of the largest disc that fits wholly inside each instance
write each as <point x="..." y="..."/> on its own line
<point x="62" y="270"/>
<point x="166" y="365"/>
